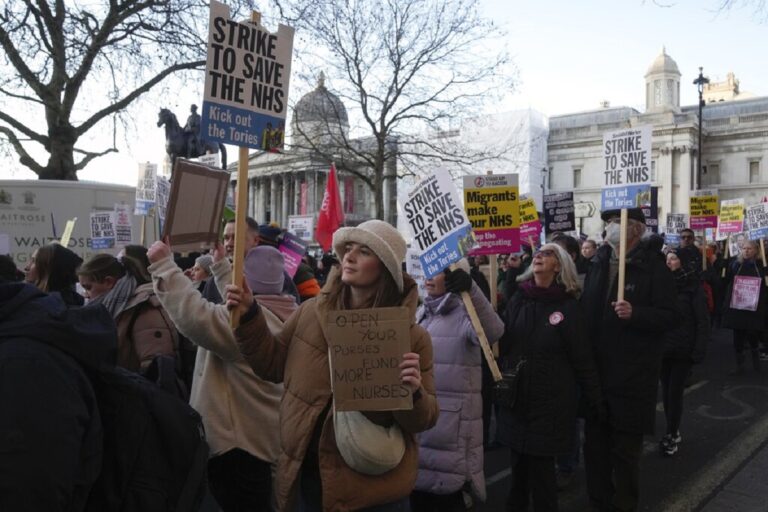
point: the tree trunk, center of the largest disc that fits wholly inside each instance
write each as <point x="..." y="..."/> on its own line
<point x="61" y="163"/>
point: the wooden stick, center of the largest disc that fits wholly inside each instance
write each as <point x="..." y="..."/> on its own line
<point x="241" y="209"/>
<point x="704" y="250"/>
<point x="530" y="241"/>
<point x="480" y="333"/>
<point x="727" y="250"/>
<point x="494" y="295"/>
<point x="622" y="255"/>
<point x="143" y="237"/>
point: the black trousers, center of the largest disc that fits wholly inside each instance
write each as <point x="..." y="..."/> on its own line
<point x="240" y="482"/>
<point x="427" y="502"/>
<point x="741" y="337"/>
<point x="674" y="372"/>
<point x="532" y="476"/>
<point x="612" y="460"/>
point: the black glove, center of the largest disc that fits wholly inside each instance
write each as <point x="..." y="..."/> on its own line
<point x="457" y="281"/>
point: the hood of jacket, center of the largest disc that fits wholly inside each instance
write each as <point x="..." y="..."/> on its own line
<point x="282" y="306"/>
<point x="441" y="305"/>
<point x="88" y="334"/>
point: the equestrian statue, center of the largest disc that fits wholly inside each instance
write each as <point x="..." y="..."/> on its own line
<point x="187" y="142"/>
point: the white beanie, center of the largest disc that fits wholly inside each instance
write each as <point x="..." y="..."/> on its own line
<point x="383" y="239"/>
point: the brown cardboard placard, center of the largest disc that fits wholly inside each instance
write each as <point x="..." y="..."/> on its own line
<point x="197" y="198"/>
<point x="366" y="347"/>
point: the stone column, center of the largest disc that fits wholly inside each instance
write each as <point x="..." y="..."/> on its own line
<point x="252" y="197"/>
<point x="262" y="213"/>
<point x="273" y="206"/>
<point x="312" y="200"/>
<point x="285" y="202"/>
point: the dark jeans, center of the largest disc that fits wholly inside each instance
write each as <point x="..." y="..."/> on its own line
<point x="240" y="482"/>
<point x="612" y="460"/>
<point x="311" y="491"/>
<point x="570" y="461"/>
<point x="674" y="372"/>
<point x="741" y="337"/>
<point x="532" y="476"/>
<point x="428" y="502"/>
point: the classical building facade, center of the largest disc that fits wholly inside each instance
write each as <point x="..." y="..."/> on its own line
<point x="292" y="182"/>
<point x="734" y="149"/>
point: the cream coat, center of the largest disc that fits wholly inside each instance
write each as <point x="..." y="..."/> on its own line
<point x="239" y="409"/>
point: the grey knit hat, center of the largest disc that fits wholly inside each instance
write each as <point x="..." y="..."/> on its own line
<point x="204" y="262"/>
<point x="383" y="239"/>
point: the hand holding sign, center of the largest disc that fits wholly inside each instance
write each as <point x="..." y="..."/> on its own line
<point x="410" y="371"/>
<point x="239" y="299"/>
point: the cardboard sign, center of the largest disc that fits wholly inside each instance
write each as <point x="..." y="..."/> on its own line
<point x="123" y="221"/>
<point x="413" y="269"/>
<point x="441" y="231"/>
<point x="145" y="188"/>
<point x="102" y="230"/>
<point x="676" y="222"/>
<point x="303" y="226"/>
<point x="731" y="217"/>
<point x="703" y="208"/>
<point x="366" y="348"/>
<point x="247" y="74"/>
<point x="530" y="225"/>
<point x="492" y="206"/>
<point x="559" y="212"/>
<point x="746" y="293"/>
<point x="293" y="249"/>
<point x="193" y="216"/>
<point x="757" y="221"/>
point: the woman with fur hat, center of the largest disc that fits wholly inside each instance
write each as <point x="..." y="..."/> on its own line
<point x="311" y="467"/>
<point x="53" y="269"/>
<point x="451" y="453"/>
<point x="239" y="409"/>
<point x="684" y="346"/>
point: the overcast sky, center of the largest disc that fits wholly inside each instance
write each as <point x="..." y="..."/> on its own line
<point x="570" y="55"/>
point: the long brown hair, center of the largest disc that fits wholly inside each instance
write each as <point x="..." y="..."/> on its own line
<point x="387" y="292"/>
<point x="43" y="266"/>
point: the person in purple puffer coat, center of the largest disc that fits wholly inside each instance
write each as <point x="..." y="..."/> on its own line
<point x="451" y="453"/>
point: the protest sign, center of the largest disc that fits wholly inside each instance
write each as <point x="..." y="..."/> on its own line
<point x="731" y="217"/>
<point x="492" y="205"/>
<point x="441" y="230"/>
<point x="102" y="230"/>
<point x="651" y="212"/>
<point x="303" y="226"/>
<point x="627" y="172"/>
<point x="530" y="225"/>
<point x="145" y="188"/>
<point x="366" y="348"/>
<point x="757" y="221"/>
<point x="745" y="293"/>
<point x="293" y="249"/>
<point x="69" y="227"/>
<point x="123" y="224"/>
<point x="195" y="204"/>
<point x="246" y="82"/>
<point x="559" y="212"/>
<point x="413" y="268"/>
<point x="211" y="160"/>
<point x="703" y="206"/>
<point x="676" y="222"/>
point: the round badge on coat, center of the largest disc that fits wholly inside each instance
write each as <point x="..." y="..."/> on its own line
<point x="555" y="318"/>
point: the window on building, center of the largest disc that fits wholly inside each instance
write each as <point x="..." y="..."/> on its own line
<point x="576" y="178"/>
<point x="710" y="174"/>
<point x="754" y="171"/>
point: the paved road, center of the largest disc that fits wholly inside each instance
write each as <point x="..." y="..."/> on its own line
<point x="725" y="428"/>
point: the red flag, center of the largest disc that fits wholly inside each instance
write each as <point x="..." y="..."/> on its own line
<point x="331" y="213"/>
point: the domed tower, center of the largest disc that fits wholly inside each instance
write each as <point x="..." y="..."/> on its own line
<point x="662" y="85"/>
<point x="319" y="118"/>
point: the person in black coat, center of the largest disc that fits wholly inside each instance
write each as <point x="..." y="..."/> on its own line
<point x="627" y="338"/>
<point x="684" y="346"/>
<point x="545" y="330"/>
<point x="745" y="318"/>
<point x="51" y="440"/>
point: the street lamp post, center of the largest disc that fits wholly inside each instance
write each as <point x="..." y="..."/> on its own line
<point x="700" y="81"/>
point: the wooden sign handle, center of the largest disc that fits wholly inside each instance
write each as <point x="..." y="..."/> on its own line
<point x="241" y="207"/>
<point x="622" y="255"/>
<point x="480" y="333"/>
<point x="727" y="250"/>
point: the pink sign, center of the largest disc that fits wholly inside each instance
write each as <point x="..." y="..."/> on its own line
<point x="703" y="222"/>
<point x="530" y="229"/>
<point x="746" y="293"/>
<point x="499" y="241"/>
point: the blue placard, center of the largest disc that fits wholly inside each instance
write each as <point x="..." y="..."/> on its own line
<point x="102" y="243"/>
<point x="631" y="196"/>
<point x="450" y="250"/>
<point x="240" y="127"/>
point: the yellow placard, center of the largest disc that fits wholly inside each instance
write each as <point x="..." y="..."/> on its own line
<point x="732" y="212"/>
<point x="528" y="211"/>
<point x="492" y="208"/>
<point x="68" y="229"/>
<point x="703" y="206"/>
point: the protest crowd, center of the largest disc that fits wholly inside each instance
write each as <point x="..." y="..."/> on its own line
<point x="125" y="387"/>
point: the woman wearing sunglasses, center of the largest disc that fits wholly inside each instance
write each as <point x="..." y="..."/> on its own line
<point x="545" y="339"/>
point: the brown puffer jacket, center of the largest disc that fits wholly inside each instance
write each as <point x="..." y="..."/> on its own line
<point x="298" y="357"/>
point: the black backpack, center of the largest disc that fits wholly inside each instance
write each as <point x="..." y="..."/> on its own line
<point x="154" y="453"/>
